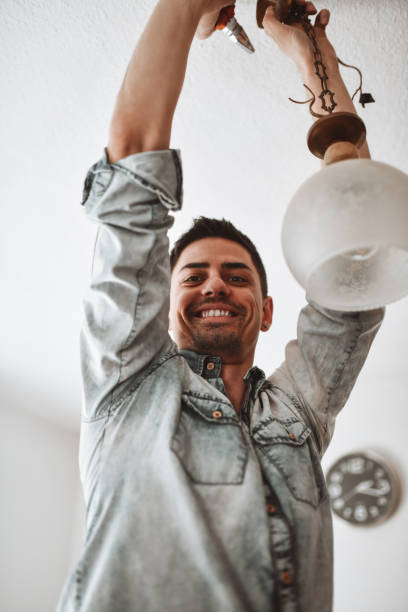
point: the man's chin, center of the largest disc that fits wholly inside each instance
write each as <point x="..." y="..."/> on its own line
<point x="217" y="341"/>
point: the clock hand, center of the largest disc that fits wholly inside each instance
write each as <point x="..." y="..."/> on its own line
<point x="362" y="487"/>
<point x="377" y="492"/>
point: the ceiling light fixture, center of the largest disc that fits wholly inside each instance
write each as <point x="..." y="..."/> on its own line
<point x="345" y="232"/>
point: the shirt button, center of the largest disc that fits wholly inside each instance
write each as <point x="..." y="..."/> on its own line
<point x="270" y="508"/>
<point x="217" y="414"/>
<point x="210" y="365"/>
<point x="286" y="578"/>
<point x="292" y="436"/>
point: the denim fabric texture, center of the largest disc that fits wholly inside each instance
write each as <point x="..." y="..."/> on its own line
<point x="191" y="507"/>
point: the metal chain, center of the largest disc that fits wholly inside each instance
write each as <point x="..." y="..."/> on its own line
<point x="326" y="96"/>
<point x="298" y="13"/>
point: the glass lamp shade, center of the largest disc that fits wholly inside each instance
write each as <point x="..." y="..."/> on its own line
<point x="345" y="235"/>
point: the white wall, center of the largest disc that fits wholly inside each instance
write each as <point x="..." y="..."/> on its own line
<point x="371" y="563"/>
<point x="39" y="494"/>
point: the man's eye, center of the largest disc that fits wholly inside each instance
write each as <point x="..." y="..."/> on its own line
<point x="238" y="279"/>
<point x="194" y="278"/>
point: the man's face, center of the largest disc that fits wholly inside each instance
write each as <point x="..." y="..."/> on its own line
<point x="216" y="304"/>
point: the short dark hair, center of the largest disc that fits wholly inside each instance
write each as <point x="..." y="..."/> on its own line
<point x="203" y="227"/>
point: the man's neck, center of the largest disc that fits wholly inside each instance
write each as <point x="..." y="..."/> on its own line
<point x="233" y="379"/>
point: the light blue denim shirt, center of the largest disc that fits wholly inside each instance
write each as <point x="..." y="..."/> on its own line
<point x="191" y="507"/>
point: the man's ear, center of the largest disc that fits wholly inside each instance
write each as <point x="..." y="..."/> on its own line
<point x="267" y="313"/>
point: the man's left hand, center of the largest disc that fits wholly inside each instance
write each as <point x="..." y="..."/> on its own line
<point x="210" y="15"/>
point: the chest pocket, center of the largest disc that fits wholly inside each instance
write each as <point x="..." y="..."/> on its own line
<point x="209" y="444"/>
<point x="287" y="444"/>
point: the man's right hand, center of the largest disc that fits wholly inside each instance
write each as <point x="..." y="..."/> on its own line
<point x="210" y="12"/>
<point x="293" y="41"/>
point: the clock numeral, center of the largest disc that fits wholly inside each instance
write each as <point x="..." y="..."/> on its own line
<point x="384" y="486"/>
<point x="335" y="489"/>
<point x="360" y="513"/>
<point x="347" y="512"/>
<point x="356" y="465"/>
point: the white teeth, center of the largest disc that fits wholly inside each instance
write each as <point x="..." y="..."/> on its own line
<point x="215" y="313"/>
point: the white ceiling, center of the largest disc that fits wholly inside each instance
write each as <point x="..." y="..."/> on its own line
<point x="244" y="154"/>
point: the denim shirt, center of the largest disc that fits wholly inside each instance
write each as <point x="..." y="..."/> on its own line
<point x="189" y="505"/>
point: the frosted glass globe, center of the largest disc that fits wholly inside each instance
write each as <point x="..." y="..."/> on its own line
<point x="345" y="235"/>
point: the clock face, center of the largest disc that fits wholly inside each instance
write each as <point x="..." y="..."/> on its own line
<point x="362" y="489"/>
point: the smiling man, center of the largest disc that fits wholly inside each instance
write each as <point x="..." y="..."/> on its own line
<point x="201" y="475"/>
<point x="218" y="299"/>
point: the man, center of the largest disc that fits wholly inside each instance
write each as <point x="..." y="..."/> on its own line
<point x="202" y="478"/>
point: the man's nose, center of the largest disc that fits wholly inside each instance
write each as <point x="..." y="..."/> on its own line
<point x="215" y="286"/>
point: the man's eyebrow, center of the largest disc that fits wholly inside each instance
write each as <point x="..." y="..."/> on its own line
<point x="195" y="264"/>
<point x="235" y="265"/>
<point x="229" y="265"/>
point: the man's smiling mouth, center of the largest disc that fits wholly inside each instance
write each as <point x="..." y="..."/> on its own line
<point x="215" y="311"/>
<point x="205" y="314"/>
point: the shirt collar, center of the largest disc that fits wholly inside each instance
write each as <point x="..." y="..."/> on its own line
<point x="209" y="366"/>
<point x="256" y="377"/>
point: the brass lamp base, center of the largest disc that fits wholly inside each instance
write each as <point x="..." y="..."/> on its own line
<point x="281" y="8"/>
<point x="332" y="130"/>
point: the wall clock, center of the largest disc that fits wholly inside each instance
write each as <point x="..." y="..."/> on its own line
<point x="363" y="488"/>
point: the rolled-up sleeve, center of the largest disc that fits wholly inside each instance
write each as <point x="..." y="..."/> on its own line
<point x="322" y="365"/>
<point x="126" y="308"/>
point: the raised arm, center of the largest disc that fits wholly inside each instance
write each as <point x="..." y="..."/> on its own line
<point x="322" y="365"/>
<point x="292" y="41"/>
<point x="148" y="97"/>
<point x="129" y="193"/>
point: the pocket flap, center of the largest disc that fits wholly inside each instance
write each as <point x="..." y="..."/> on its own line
<point x="275" y="431"/>
<point x="210" y="408"/>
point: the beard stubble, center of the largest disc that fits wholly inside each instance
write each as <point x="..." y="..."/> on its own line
<point x="216" y="341"/>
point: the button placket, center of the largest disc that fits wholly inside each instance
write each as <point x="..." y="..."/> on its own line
<point x="282" y="552"/>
